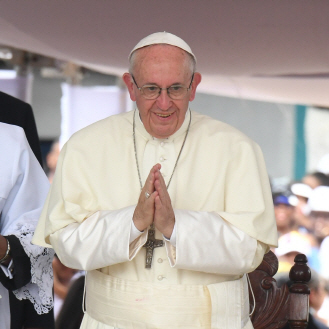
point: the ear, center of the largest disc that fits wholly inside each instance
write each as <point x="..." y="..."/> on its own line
<point x="130" y="85"/>
<point x="196" y="80"/>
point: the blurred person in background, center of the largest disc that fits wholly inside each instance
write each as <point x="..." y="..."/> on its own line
<point x="302" y="193"/>
<point x="16" y="112"/>
<point x="318" y="293"/>
<point x="71" y="312"/>
<point x="292" y="244"/>
<point x="25" y="275"/>
<point x="293" y="239"/>
<point x="323" y="312"/>
<point x="63" y="276"/>
<point x="318" y="204"/>
<point x="284" y="214"/>
<point x="51" y="160"/>
<point x="316" y="179"/>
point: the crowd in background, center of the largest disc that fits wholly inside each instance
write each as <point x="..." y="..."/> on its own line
<point x="302" y="217"/>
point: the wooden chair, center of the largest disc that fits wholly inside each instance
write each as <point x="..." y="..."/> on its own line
<point x="275" y="307"/>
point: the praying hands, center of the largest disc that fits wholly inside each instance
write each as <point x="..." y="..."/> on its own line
<point x="154" y="205"/>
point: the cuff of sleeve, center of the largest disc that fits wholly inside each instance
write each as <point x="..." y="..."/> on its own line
<point x="171" y="253"/>
<point x="8" y="270"/>
<point x="137" y="239"/>
<point x="171" y="246"/>
<point x="134" y="232"/>
<point x="172" y="239"/>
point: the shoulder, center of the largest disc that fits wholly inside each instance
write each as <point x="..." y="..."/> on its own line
<point x="13" y="148"/>
<point x="14" y="111"/>
<point x="13" y="142"/>
<point x="11" y="102"/>
<point x="113" y="128"/>
<point x="11" y="133"/>
<point x="206" y="127"/>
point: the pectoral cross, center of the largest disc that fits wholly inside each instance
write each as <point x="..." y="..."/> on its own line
<point x="150" y="245"/>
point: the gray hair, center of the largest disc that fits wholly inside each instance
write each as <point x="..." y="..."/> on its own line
<point x="133" y="59"/>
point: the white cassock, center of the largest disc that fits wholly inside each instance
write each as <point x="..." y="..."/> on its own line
<point x="221" y="196"/>
<point x="23" y="190"/>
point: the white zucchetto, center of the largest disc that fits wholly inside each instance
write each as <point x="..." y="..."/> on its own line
<point x="163" y="38"/>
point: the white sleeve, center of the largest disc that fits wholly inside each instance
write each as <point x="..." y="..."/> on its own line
<point x="134" y="232"/>
<point x="101" y="240"/>
<point x="206" y="242"/>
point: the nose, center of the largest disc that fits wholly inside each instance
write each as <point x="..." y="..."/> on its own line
<point x="164" y="101"/>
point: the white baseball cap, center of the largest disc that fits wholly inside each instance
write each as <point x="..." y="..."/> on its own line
<point x="293" y="242"/>
<point x="301" y="189"/>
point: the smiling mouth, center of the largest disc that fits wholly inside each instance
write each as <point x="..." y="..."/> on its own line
<point x="163" y="115"/>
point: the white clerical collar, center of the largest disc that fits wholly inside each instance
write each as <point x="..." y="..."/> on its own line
<point x="182" y="130"/>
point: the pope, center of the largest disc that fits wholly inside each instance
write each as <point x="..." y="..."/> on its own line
<point x="165" y="208"/>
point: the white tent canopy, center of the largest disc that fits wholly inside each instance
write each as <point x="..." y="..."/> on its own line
<point x="266" y="50"/>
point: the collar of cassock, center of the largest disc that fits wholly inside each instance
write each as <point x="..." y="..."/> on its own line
<point x="181" y="131"/>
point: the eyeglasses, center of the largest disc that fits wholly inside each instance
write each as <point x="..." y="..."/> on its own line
<point x="154" y="91"/>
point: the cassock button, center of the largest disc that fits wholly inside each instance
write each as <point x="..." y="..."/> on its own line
<point x="160" y="260"/>
<point x="162" y="143"/>
<point x="160" y="277"/>
<point x="162" y="159"/>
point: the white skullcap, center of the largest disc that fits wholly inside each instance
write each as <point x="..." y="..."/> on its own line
<point x="163" y="38"/>
<point x="319" y="199"/>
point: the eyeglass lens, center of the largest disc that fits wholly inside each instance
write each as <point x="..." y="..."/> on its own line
<point x="173" y="91"/>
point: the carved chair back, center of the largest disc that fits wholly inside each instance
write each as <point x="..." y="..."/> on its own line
<point x="278" y="306"/>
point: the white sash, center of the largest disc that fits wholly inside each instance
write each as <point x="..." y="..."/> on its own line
<point x="140" y="305"/>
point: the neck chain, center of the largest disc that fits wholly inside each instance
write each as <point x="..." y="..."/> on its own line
<point x="180" y="152"/>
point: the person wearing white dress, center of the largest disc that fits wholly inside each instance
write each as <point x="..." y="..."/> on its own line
<point x="26" y="273"/>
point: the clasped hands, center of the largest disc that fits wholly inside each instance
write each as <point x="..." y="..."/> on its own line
<point x="157" y="207"/>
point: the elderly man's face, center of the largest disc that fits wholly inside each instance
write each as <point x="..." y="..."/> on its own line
<point x="164" y="66"/>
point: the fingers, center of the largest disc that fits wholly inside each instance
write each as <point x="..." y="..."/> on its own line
<point x="160" y="185"/>
<point x="144" y="211"/>
<point x="164" y="216"/>
<point x="149" y="183"/>
<point x="149" y="188"/>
